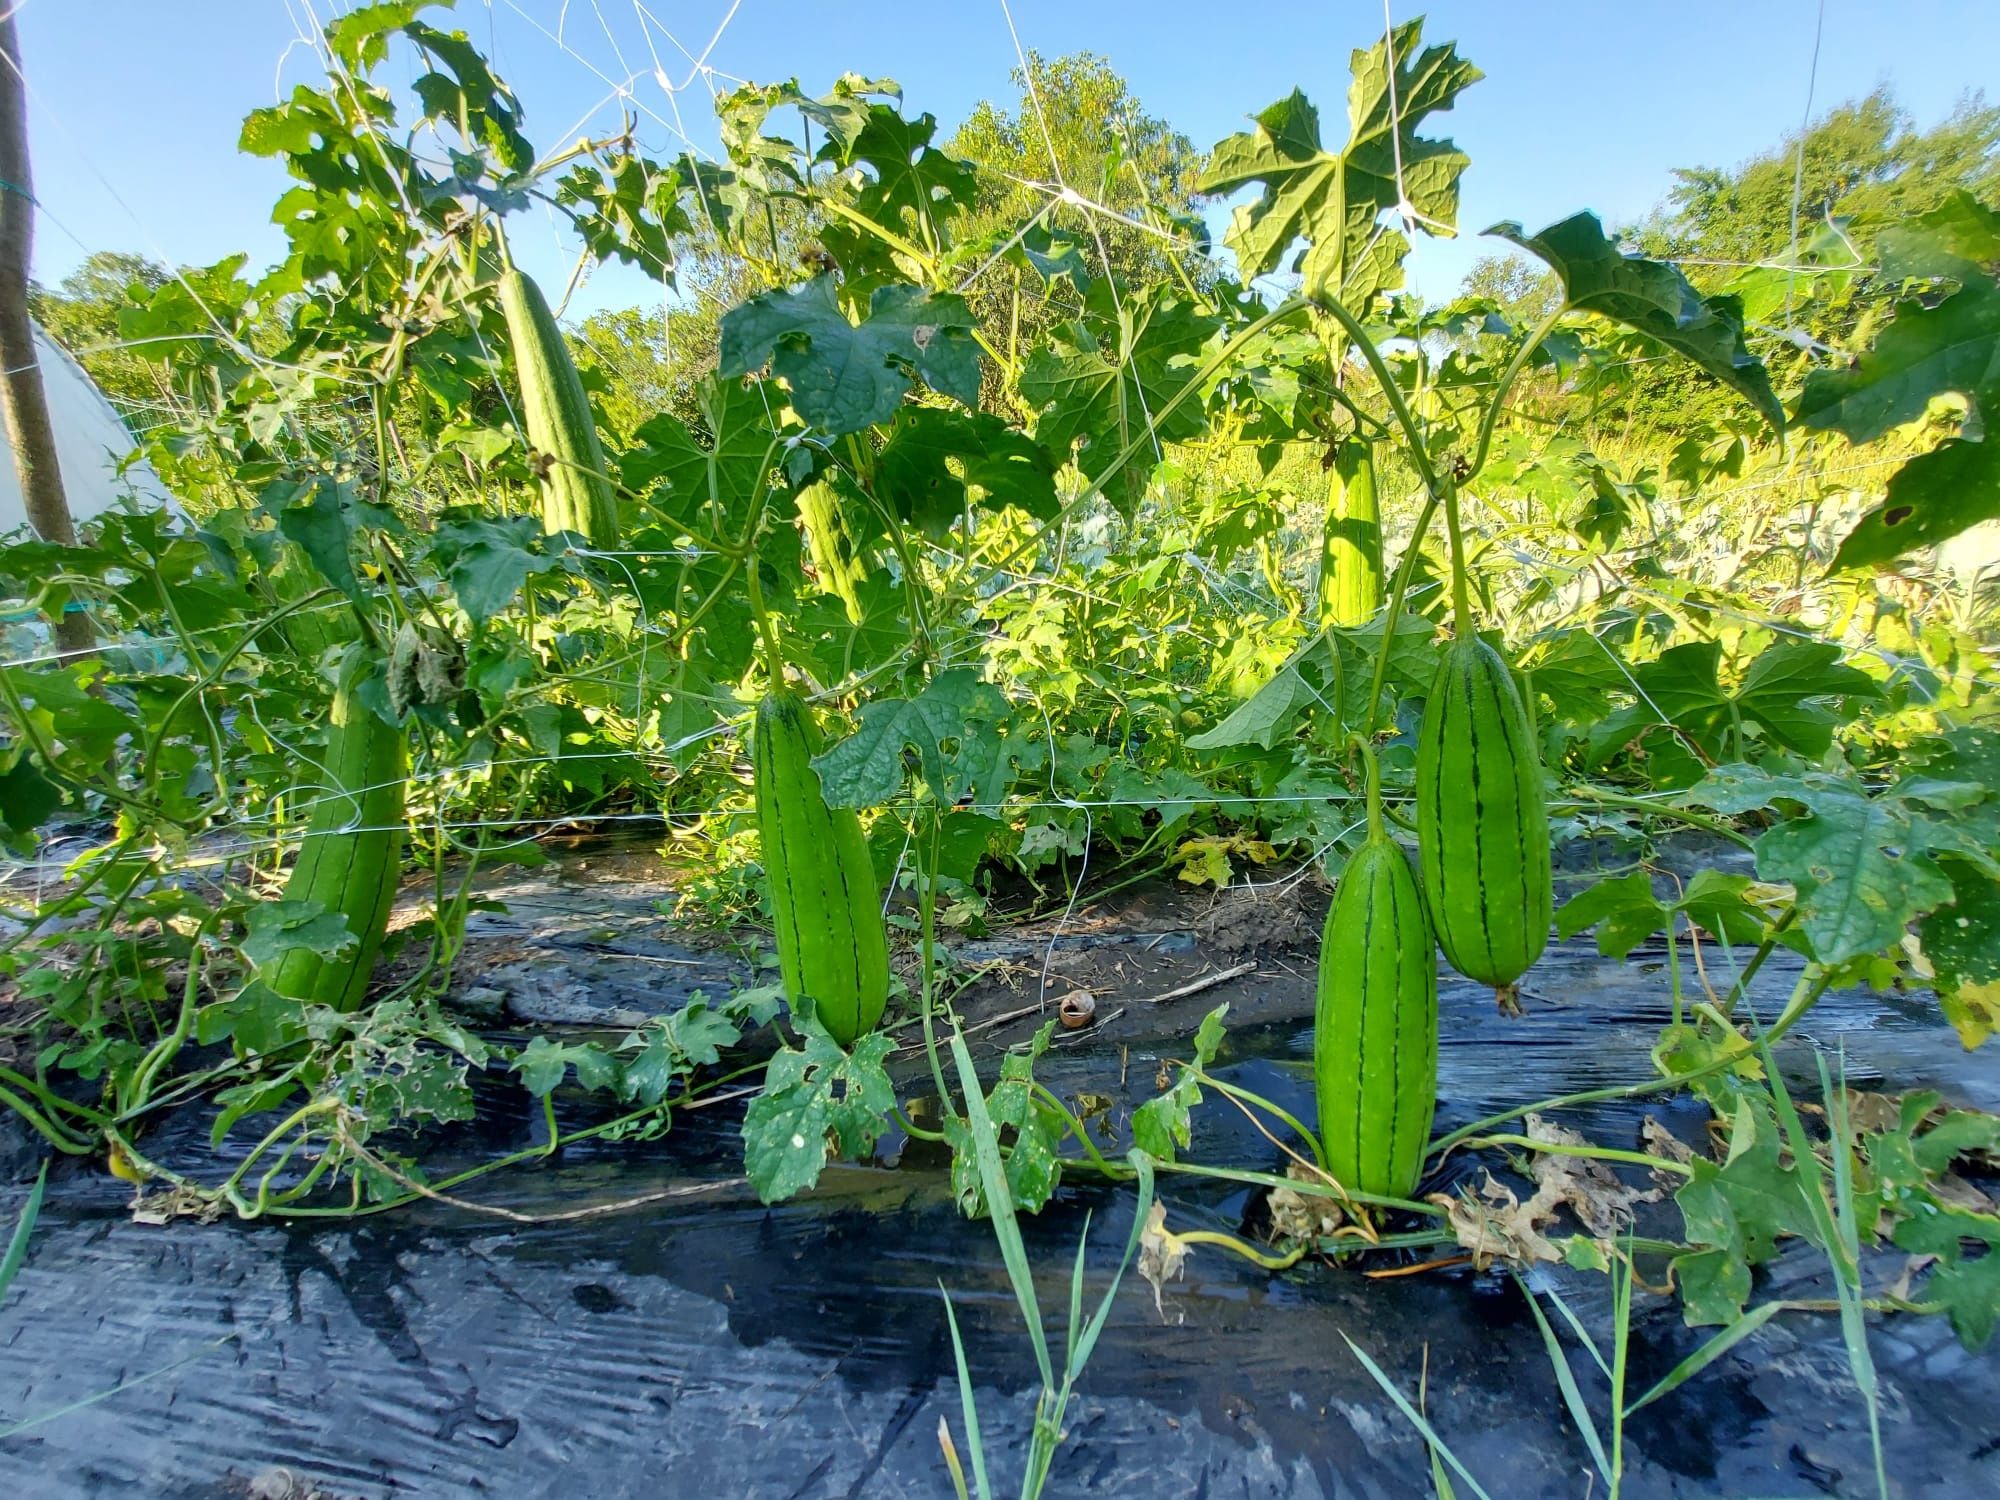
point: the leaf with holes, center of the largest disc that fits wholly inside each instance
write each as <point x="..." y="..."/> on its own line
<point x="1161" y="1126"/>
<point x="818" y="1101"/>
<point x="1929" y="500"/>
<point x="1961" y="940"/>
<point x="1861" y="864"/>
<point x="1033" y="1169"/>
<point x="1926" y="351"/>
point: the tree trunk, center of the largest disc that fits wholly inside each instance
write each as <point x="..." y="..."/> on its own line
<point x="22" y="398"/>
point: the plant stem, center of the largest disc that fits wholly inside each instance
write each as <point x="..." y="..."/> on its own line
<point x="1812" y="984"/>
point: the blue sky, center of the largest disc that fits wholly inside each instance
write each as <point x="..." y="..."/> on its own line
<point x="136" y="103"/>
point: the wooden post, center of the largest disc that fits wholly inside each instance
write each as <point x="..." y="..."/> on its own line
<point x="22" y="399"/>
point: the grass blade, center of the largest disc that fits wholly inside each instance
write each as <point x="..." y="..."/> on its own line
<point x="1579" y="1409"/>
<point x="1142" y="1164"/>
<point x="1440" y="1479"/>
<point x="1000" y="1204"/>
<point x="1582" y="1334"/>
<point x="1717" y="1346"/>
<point x="123" y="1385"/>
<point x="17" y="1246"/>
<point x="950" y="1452"/>
<point x="1415" y="1418"/>
<point x="1853" y="1312"/>
<point x="974" y="1444"/>
<point x="1834" y="1224"/>
<point x="1075" y="1327"/>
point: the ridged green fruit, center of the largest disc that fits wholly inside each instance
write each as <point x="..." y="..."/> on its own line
<point x="353" y="849"/>
<point x="830" y="544"/>
<point x="1350" y="569"/>
<point x="832" y="945"/>
<point x="1375" y="1033"/>
<point x="1482" y="820"/>
<point x="576" y="491"/>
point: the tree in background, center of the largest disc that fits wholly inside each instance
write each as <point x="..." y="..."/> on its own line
<point x="1079" y="126"/>
<point x="1864" y="161"/>
<point x="1107" y="148"/>
<point x="1865" y="164"/>
<point x="81" y="314"/>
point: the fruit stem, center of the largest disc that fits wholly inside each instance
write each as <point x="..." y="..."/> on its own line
<point x="1371" y="773"/>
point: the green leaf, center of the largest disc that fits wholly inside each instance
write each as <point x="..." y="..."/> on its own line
<point x="950" y="726"/>
<point x="1862" y="865"/>
<point x="1929" y="500"/>
<point x="1652" y="297"/>
<point x="670" y="1047"/>
<point x="1032" y="1167"/>
<point x="631" y="213"/>
<point x="1160" y="1126"/>
<point x="937" y="462"/>
<point x="1412" y="664"/>
<point x="275" y="928"/>
<point x="256" y="1018"/>
<point x="727" y="459"/>
<point x="1783" y="694"/>
<point x="1106" y="382"/>
<point x="1267" y="714"/>
<point x="1335" y="200"/>
<point x="843" y="377"/>
<point x="817" y="1100"/>
<point x="1924" y="352"/>
<point x="1968" y="1287"/>
<point x="544" y="1061"/>
<point x="471" y="97"/>
<point x="1624" y="912"/>
<point x="1740" y="1209"/>
<point x="897" y="179"/>
<point x="1860" y="882"/>
<point x="1719" y="905"/>
<point x="27" y="800"/>
<point x="487" y="561"/>
<point x="323" y="524"/>
<point x="1962" y="942"/>
<point x="1958" y="239"/>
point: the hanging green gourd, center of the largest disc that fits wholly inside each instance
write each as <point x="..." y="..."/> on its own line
<point x="827" y="907"/>
<point x="1482" y="818"/>
<point x="1375" y="1023"/>
<point x="836" y="562"/>
<point x="353" y="849"/>
<point x="1350" y="570"/>
<point x="576" y="490"/>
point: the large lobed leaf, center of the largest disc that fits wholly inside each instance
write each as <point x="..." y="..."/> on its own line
<point x="952" y="727"/>
<point x="845" y="376"/>
<point x="1653" y="297"/>
<point x="1335" y="200"/>
<point x="1109" y="382"/>
<point x="1933" y="347"/>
